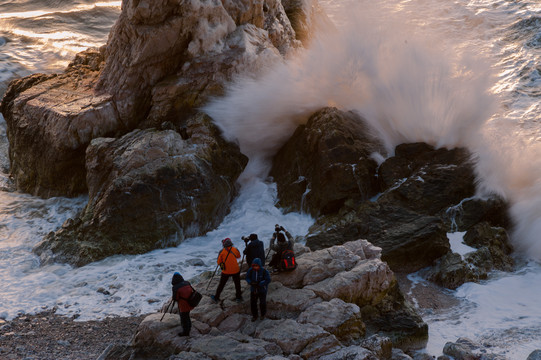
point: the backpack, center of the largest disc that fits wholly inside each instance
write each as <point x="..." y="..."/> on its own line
<point x="288" y="260"/>
<point x="194" y="299"/>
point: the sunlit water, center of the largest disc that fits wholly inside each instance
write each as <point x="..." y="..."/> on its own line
<point x="459" y="72"/>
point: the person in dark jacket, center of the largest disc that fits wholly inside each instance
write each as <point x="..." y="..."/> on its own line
<point x="279" y="243"/>
<point x="259" y="278"/>
<point x="254" y="249"/>
<point x="181" y="291"/>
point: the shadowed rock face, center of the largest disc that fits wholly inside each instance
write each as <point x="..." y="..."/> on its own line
<point x="327" y="169"/>
<point x="326" y="162"/>
<point x="149" y="189"/>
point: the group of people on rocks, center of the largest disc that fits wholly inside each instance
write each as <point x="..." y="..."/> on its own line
<point x="257" y="276"/>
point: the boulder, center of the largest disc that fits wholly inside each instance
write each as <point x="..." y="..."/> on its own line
<point x="471" y="211"/>
<point x="162" y="60"/>
<point x="336" y="317"/>
<point x="425" y="179"/>
<point x="50" y="120"/>
<point x="326" y="162"/>
<point x="147" y="190"/>
<point x="153" y="40"/>
<point x="409" y="241"/>
<point x="291" y="336"/>
<point x="496" y="241"/>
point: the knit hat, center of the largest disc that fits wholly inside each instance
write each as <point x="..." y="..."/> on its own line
<point x="257" y="261"/>
<point x="253" y="236"/>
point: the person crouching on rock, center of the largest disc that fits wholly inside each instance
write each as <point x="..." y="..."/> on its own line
<point x="227" y="259"/>
<point x="259" y="278"/>
<point x="254" y="249"/>
<point x="282" y="244"/>
<point x="181" y="291"/>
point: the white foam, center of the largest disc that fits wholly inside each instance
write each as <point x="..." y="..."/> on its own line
<point x="136" y="284"/>
<point x="456" y="240"/>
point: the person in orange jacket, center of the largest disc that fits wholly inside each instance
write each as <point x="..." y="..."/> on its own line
<point x="181" y="291"/>
<point x="227" y="259"/>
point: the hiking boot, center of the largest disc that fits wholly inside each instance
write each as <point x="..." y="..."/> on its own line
<point x="254" y="318"/>
<point x="215" y="299"/>
<point x="184" y="333"/>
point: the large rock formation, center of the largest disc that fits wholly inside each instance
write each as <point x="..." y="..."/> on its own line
<point x="406" y="205"/>
<point x="162" y="59"/>
<point x="326" y="162"/>
<point x="322" y="320"/>
<point x="50" y="121"/>
<point x="149" y="189"/>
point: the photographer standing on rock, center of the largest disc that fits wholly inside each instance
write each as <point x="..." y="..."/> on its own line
<point x="259" y="278"/>
<point x="182" y="291"/>
<point x="227" y="259"/>
<point x="254" y="249"/>
<point x="281" y="245"/>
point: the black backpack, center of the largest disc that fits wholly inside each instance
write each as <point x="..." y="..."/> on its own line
<point x="288" y="260"/>
<point x="194" y="299"/>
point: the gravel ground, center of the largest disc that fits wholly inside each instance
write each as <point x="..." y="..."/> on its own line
<point x="47" y="336"/>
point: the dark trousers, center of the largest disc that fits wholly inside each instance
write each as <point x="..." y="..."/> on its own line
<point x="223" y="280"/>
<point x="262" y="296"/>
<point x="275" y="261"/>
<point x="186" y="322"/>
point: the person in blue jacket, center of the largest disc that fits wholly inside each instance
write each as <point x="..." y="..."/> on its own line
<point x="259" y="278"/>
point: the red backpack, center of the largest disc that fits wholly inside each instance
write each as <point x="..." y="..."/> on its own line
<point x="288" y="260"/>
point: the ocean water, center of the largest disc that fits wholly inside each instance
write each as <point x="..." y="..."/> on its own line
<point x="448" y="72"/>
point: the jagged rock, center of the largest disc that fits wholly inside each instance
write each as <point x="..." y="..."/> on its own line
<point x="246" y="50"/>
<point x="451" y="271"/>
<point x="471" y="211"/>
<point x="398" y="354"/>
<point x="153" y="40"/>
<point x="496" y="241"/>
<point x="336" y="317"/>
<point x="326" y="162"/>
<point x="149" y="189"/>
<point x="312" y="328"/>
<point x="410" y="241"/>
<point x="493" y="253"/>
<point x="50" y="121"/>
<point x="162" y="60"/>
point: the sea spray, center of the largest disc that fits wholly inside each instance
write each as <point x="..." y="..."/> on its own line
<point x="406" y="84"/>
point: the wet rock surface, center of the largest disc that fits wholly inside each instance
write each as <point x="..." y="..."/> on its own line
<point x="149" y="189"/>
<point x="406" y="205"/>
<point x="307" y="322"/>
